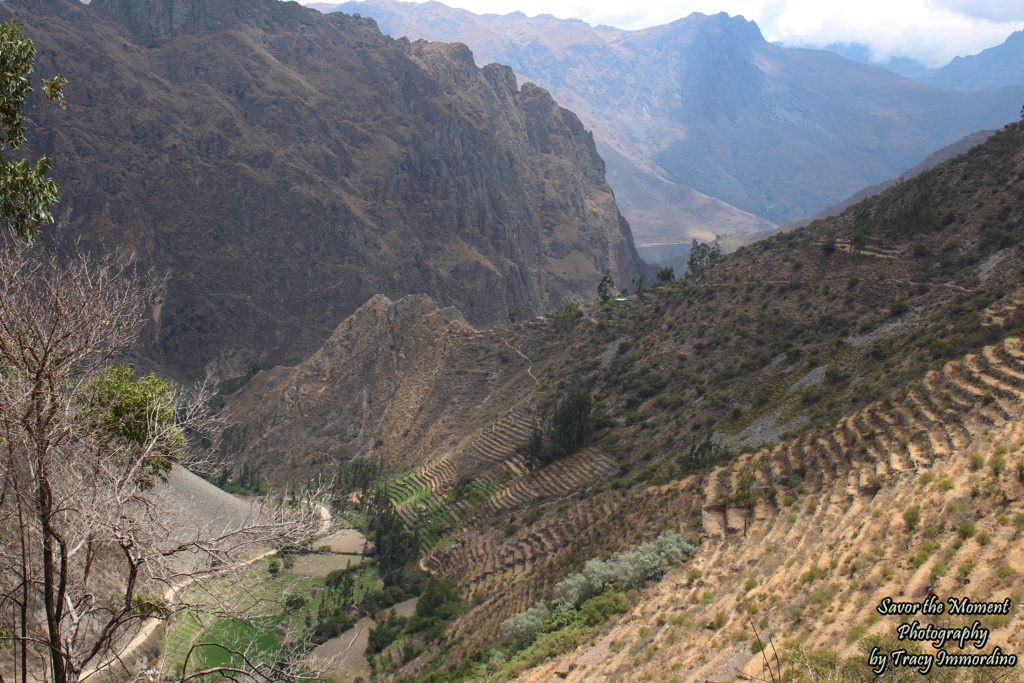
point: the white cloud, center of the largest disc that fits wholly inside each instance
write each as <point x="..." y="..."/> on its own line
<point x="910" y="28"/>
<point x="994" y="10"/>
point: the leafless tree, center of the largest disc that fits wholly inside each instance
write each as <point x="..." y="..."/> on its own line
<point x="92" y="543"/>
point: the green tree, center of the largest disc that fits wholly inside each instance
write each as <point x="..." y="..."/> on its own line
<point x="121" y="410"/>
<point x="703" y="255"/>
<point x="666" y="275"/>
<point x="396" y="546"/>
<point x="571" y="422"/>
<point x="563" y="433"/>
<point x="641" y="288"/>
<point x="565" y="315"/>
<point x="605" y="286"/>
<point x="26" y="193"/>
<point x="440" y="599"/>
<point x="533" y="450"/>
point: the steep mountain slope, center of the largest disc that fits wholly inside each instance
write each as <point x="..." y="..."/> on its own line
<point x="809" y="563"/>
<point x="563" y="54"/>
<point x="281" y="167"/>
<point x="961" y="146"/>
<point x="834" y="366"/>
<point x="704" y="104"/>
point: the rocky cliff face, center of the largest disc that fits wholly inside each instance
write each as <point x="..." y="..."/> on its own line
<point x="283" y="167"/>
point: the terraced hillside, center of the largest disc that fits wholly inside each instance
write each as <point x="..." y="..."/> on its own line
<point x="496" y="446"/>
<point x="796" y="391"/>
<point x="507" y="569"/>
<point x="827" y="538"/>
<point x="800" y="540"/>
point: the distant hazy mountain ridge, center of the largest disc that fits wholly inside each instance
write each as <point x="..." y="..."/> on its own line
<point x="992" y="68"/>
<point x="998" y="66"/>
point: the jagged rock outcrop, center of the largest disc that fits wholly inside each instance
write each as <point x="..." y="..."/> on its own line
<point x="282" y="167"/>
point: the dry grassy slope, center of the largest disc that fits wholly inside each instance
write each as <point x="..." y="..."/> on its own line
<point x="828" y="515"/>
<point x="796" y="328"/>
<point x="201" y="506"/>
<point x="783" y="335"/>
<point x="508" y="565"/>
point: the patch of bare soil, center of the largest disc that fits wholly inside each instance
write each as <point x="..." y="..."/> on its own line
<point x="345" y="541"/>
<point x="322" y="565"/>
<point x="405" y="608"/>
<point x="346" y="653"/>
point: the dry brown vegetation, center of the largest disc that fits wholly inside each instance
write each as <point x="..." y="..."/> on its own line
<point x="811" y="563"/>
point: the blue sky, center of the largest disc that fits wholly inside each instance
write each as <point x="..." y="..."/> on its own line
<point x="931" y="31"/>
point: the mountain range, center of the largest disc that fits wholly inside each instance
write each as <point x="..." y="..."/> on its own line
<point x="992" y="68"/>
<point x="279" y="167"/>
<point x="707" y="128"/>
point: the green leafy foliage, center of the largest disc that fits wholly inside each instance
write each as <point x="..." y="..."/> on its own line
<point x="566" y="315"/>
<point x="571" y="423"/>
<point x="590" y="596"/>
<point x="396" y="545"/>
<point x="912" y="516"/>
<point x="567" y="431"/>
<point x="385" y="633"/>
<point x="26" y="194"/>
<point x="703" y="255"/>
<point x="746" y="494"/>
<point x="354" y="476"/>
<point x="332" y="614"/>
<point x="600" y="608"/>
<point x="150" y="606"/>
<point x="605" y="286"/>
<point x="134" y="418"/>
<point x="439" y="604"/>
<point x="523" y="628"/>
<point x="440" y="599"/>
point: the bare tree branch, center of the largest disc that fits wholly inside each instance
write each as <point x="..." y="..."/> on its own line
<point x="93" y="543"/>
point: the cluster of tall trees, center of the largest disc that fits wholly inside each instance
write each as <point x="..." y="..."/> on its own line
<point x="566" y="431"/>
<point x="396" y="546"/>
